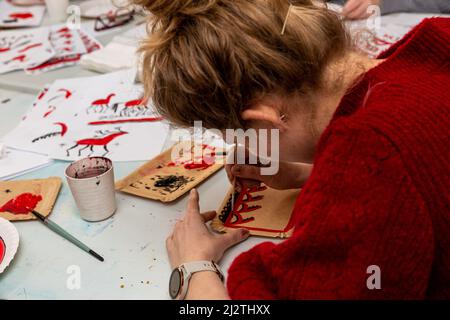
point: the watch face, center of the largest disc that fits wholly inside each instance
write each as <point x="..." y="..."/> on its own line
<point x="175" y="283"/>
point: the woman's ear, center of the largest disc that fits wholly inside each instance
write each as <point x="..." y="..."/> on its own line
<point x="264" y="113"/>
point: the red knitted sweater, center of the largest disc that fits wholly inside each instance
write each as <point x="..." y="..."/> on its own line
<point x="379" y="191"/>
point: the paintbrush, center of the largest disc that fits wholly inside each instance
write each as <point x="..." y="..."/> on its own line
<point x="63" y="233"/>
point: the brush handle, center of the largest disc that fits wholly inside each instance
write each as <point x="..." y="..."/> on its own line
<point x="63" y="233"/>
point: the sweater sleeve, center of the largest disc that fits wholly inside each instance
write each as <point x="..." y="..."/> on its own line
<point x="428" y="6"/>
<point x="358" y="214"/>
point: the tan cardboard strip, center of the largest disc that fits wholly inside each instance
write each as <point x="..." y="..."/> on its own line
<point x="264" y="212"/>
<point x="145" y="181"/>
<point x="48" y="189"/>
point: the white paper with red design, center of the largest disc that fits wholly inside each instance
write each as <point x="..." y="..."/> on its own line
<point x="24" y="49"/>
<point x="95" y="116"/>
<point x="70" y="46"/>
<point x="12" y="16"/>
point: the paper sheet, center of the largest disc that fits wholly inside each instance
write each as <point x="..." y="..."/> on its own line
<point x="24" y="49"/>
<point x="95" y="116"/>
<point x="12" y="16"/>
<point x="70" y="46"/>
<point x="14" y="163"/>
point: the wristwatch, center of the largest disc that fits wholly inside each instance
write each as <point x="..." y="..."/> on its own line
<point x="179" y="279"/>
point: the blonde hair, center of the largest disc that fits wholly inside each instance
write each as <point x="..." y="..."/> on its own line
<point x="209" y="59"/>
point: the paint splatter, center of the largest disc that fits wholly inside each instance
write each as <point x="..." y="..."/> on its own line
<point x="21" y="15"/>
<point x="171" y="183"/>
<point x="22" y="204"/>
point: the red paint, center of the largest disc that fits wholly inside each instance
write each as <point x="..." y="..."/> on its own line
<point x="67" y="92"/>
<point x="42" y="94"/>
<point x="2" y="249"/>
<point x="49" y="112"/>
<point x="204" y="164"/>
<point x="102" y="102"/>
<point x="96" y="123"/>
<point x="197" y="165"/>
<point x="63" y="30"/>
<point x="63" y="128"/>
<point x="20" y="58"/>
<point x="31" y="46"/>
<point x="22" y="204"/>
<point x="100" y="141"/>
<point x="52" y="62"/>
<point x="241" y="207"/>
<point x="201" y="163"/>
<point x="135" y="103"/>
<point x="21" y="15"/>
<point x="4" y="49"/>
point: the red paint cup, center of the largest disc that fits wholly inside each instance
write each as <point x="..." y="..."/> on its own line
<point x="91" y="181"/>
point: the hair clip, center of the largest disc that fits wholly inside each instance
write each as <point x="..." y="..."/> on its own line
<point x="286" y="20"/>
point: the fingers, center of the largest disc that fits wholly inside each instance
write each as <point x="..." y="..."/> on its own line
<point x="193" y="206"/>
<point x="234" y="236"/>
<point x="350" y="6"/>
<point x="356" y="9"/>
<point x="208" y="216"/>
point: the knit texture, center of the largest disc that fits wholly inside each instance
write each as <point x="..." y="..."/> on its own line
<point x="378" y="193"/>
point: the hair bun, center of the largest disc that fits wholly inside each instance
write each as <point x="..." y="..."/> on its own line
<point x="169" y="8"/>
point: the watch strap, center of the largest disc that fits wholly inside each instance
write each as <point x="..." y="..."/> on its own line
<point x="188" y="269"/>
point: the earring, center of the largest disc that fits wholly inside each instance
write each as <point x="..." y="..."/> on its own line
<point x="283" y="118"/>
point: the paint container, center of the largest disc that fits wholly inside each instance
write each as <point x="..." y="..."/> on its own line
<point x="57" y="9"/>
<point x="91" y="181"/>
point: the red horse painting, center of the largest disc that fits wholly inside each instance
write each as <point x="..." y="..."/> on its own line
<point x="99" y="105"/>
<point x="102" y="141"/>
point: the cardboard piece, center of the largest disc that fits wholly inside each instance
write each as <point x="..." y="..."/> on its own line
<point x="263" y="211"/>
<point x="166" y="179"/>
<point x="48" y="189"/>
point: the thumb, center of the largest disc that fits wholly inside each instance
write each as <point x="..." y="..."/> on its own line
<point x="234" y="236"/>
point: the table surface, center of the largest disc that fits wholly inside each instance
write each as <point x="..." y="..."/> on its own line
<point x="132" y="241"/>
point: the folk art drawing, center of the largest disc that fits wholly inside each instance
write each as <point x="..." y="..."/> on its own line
<point x="263" y="211"/>
<point x="96" y="116"/>
<point x="21" y="49"/>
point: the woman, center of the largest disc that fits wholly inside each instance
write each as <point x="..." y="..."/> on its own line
<point x="377" y="132"/>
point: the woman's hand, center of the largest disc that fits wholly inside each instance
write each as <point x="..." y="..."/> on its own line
<point x="192" y="241"/>
<point x="291" y="175"/>
<point x="357" y="9"/>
